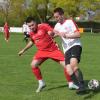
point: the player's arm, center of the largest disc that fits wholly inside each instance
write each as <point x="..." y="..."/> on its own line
<point x="55" y="33"/>
<point x="73" y="32"/>
<point x="49" y="30"/>
<point x="52" y="34"/>
<point x="71" y="35"/>
<point x="29" y="45"/>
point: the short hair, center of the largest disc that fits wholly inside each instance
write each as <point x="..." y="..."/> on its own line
<point x="59" y="10"/>
<point x="29" y="19"/>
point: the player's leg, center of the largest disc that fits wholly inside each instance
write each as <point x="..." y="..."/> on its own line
<point x="76" y="69"/>
<point x="68" y="66"/>
<point x="35" y="69"/>
<point x="68" y="78"/>
<point x="78" y="74"/>
<point x="58" y="56"/>
<point x="8" y="34"/>
<point x="5" y="35"/>
<point x="75" y="59"/>
<point x="25" y="37"/>
<point x="37" y="72"/>
<point x="71" y="84"/>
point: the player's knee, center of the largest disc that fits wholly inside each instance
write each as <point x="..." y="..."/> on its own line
<point x="73" y="62"/>
<point x="33" y="64"/>
<point x="74" y="66"/>
<point x="69" y="70"/>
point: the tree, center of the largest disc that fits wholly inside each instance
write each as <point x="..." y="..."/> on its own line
<point x="71" y="7"/>
<point x="12" y="9"/>
<point x="17" y="11"/>
<point x="39" y="9"/>
<point x="4" y="9"/>
<point x="76" y="7"/>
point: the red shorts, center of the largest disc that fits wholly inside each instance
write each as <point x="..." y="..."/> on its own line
<point x="56" y="55"/>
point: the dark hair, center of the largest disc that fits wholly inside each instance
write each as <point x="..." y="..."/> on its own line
<point x="29" y="19"/>
<point x="59" y="10"/>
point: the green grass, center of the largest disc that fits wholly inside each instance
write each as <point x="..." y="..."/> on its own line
<point x="18" y="83"/>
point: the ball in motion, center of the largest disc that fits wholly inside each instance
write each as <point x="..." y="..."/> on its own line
<point x="93" y="84"/>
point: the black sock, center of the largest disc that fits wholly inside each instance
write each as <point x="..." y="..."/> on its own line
<point x="74" y="79"/>
<point x="79" y="76"/>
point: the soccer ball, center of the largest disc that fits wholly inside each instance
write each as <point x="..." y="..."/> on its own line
<point x="93" y="84"/>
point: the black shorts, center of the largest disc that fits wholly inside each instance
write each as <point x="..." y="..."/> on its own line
<point x="74" y="52"/>
<point x="26" y="35"/>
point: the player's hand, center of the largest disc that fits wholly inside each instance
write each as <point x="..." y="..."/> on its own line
<point x="56" y="32"/>
<point x="62" y="34"/>
<point x="21" y="53"/>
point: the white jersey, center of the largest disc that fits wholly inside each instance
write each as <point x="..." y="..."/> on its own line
<point x="25" y="28"/>
<point x="69" y="27"/>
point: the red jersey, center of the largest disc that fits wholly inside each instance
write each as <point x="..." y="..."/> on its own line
<point x="42" y="39"/>
<point x="6" y="28"/>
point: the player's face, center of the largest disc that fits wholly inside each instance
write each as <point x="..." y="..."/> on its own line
<point x="32" y="26"/>
<point x="58" y="17"/>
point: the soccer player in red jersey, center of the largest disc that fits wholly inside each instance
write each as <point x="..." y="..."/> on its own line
<point x="40" y="36"/>
<point x="6" y="31"/>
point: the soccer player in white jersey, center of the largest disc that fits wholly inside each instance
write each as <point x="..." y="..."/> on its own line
<point x="26" y="31"/>
<point x="70" y="35"/>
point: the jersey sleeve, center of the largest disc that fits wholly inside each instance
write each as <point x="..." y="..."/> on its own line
<point x="73" y="26"/>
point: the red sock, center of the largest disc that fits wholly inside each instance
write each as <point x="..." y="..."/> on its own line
<point x="37" y="73"/>
<point x="68" y="78"/>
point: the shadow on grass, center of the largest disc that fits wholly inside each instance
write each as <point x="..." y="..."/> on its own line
<point x="88" y="94"/>
<point x="57" y="87"/>
<point x="91" y="94"/>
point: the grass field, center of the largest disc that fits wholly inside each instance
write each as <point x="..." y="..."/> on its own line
<point x="18" y="83"/>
